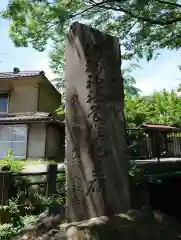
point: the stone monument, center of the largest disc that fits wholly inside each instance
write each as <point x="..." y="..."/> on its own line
<point x="97" y="176"/>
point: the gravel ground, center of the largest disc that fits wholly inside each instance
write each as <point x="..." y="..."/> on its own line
<point x="42" y="167"/>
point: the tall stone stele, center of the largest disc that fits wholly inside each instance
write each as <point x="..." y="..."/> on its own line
<point x="97" y="176"/>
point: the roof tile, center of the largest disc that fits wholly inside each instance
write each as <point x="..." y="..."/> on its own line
<point x="29" y="116"/>
<point x="8" y="75"/>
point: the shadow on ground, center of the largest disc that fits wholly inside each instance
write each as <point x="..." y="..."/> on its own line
<point x="138" y="226"/>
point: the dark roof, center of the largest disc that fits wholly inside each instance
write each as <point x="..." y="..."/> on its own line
<point x="21" y="74"/>
<point x="28" y="117"/>
<point x="25" y="74"/>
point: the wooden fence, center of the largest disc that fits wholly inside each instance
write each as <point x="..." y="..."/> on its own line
<point x="153" y="144"/>
<point x="12" y="183"/>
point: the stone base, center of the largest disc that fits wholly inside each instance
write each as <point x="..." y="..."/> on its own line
<point x="132" y="225"/>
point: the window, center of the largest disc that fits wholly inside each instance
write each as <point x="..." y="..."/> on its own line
<point x="3" y="103"/>
<point x="14" y="137"/>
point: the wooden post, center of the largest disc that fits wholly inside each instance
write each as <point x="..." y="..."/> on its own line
<point x="5" y="190"/>
<point x="51" y="179"/>
<point x="5" y="183"/>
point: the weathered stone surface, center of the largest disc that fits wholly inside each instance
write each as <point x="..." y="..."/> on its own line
<point x="137" y="225"/>
<point x="95" y="133"/>
<point x="46" y="224"/>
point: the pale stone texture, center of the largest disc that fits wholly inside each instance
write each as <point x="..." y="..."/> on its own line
<point x="137" y="225"/>
<point x="97" y="178"/>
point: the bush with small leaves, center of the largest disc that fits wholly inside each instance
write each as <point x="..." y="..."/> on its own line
<point x="10" y="162"/>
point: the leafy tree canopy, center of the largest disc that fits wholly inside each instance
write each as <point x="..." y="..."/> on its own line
<point x="143" y="26"/>
<point x="129" y="81"/>
<point x="161" y="107"/>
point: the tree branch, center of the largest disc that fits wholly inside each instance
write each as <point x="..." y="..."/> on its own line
<point x="142" y="18"/>
<point x="89" y="8"/>
<point x="129" y="12"/>
<point x="152" y="21"/>
<point x="172" y="38"/>
<point x="129" y="29"/>
<point x="68" y="4"/>
<point x="169" y="3"/>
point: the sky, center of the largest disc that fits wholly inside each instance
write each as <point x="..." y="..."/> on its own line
<point x="155" y="75"/>
<point x="160" y="73"/>
<point x="23" y="58"/>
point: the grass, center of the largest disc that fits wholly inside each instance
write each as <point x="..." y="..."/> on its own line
<point x="28" y="162"/>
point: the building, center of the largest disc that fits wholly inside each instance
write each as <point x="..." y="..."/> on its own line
<point x="28" y="121"/>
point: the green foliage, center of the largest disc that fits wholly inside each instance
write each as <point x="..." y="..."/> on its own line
<point x="11" y="163"/>
<point x="35" y="198"/>
<point x="18" y="213"/>
<point x="7" y="231"/>
<point x="161" y="107"/>
<point x="142" y="26"/>
<point x="60" y="111"/>
<point x="12" y="220"/>
<point x="25" y="220"/>
<point x="11" y="207"/>
<point x="15" y="222"/>
<point x="42" y="22"/>
<point x="136" y="174"/>
<point x="58" y="82"/>
<point x="129" y="81"/>
<point x="61" y="180"/>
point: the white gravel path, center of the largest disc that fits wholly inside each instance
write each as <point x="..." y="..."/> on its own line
<point x="42" y="167"/>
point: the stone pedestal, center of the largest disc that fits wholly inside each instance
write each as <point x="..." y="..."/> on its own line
<point x="97" y="176"/>
<point x="132" y="225"/>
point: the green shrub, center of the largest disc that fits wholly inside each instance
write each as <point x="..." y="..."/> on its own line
<point x="135" y="173"/>
<point x="11" y="163"/>
<point x="15" y="221"/>
<point x="7" y="231"/>
<point x="28" y="204"/>
<point x="61" y="192"/>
